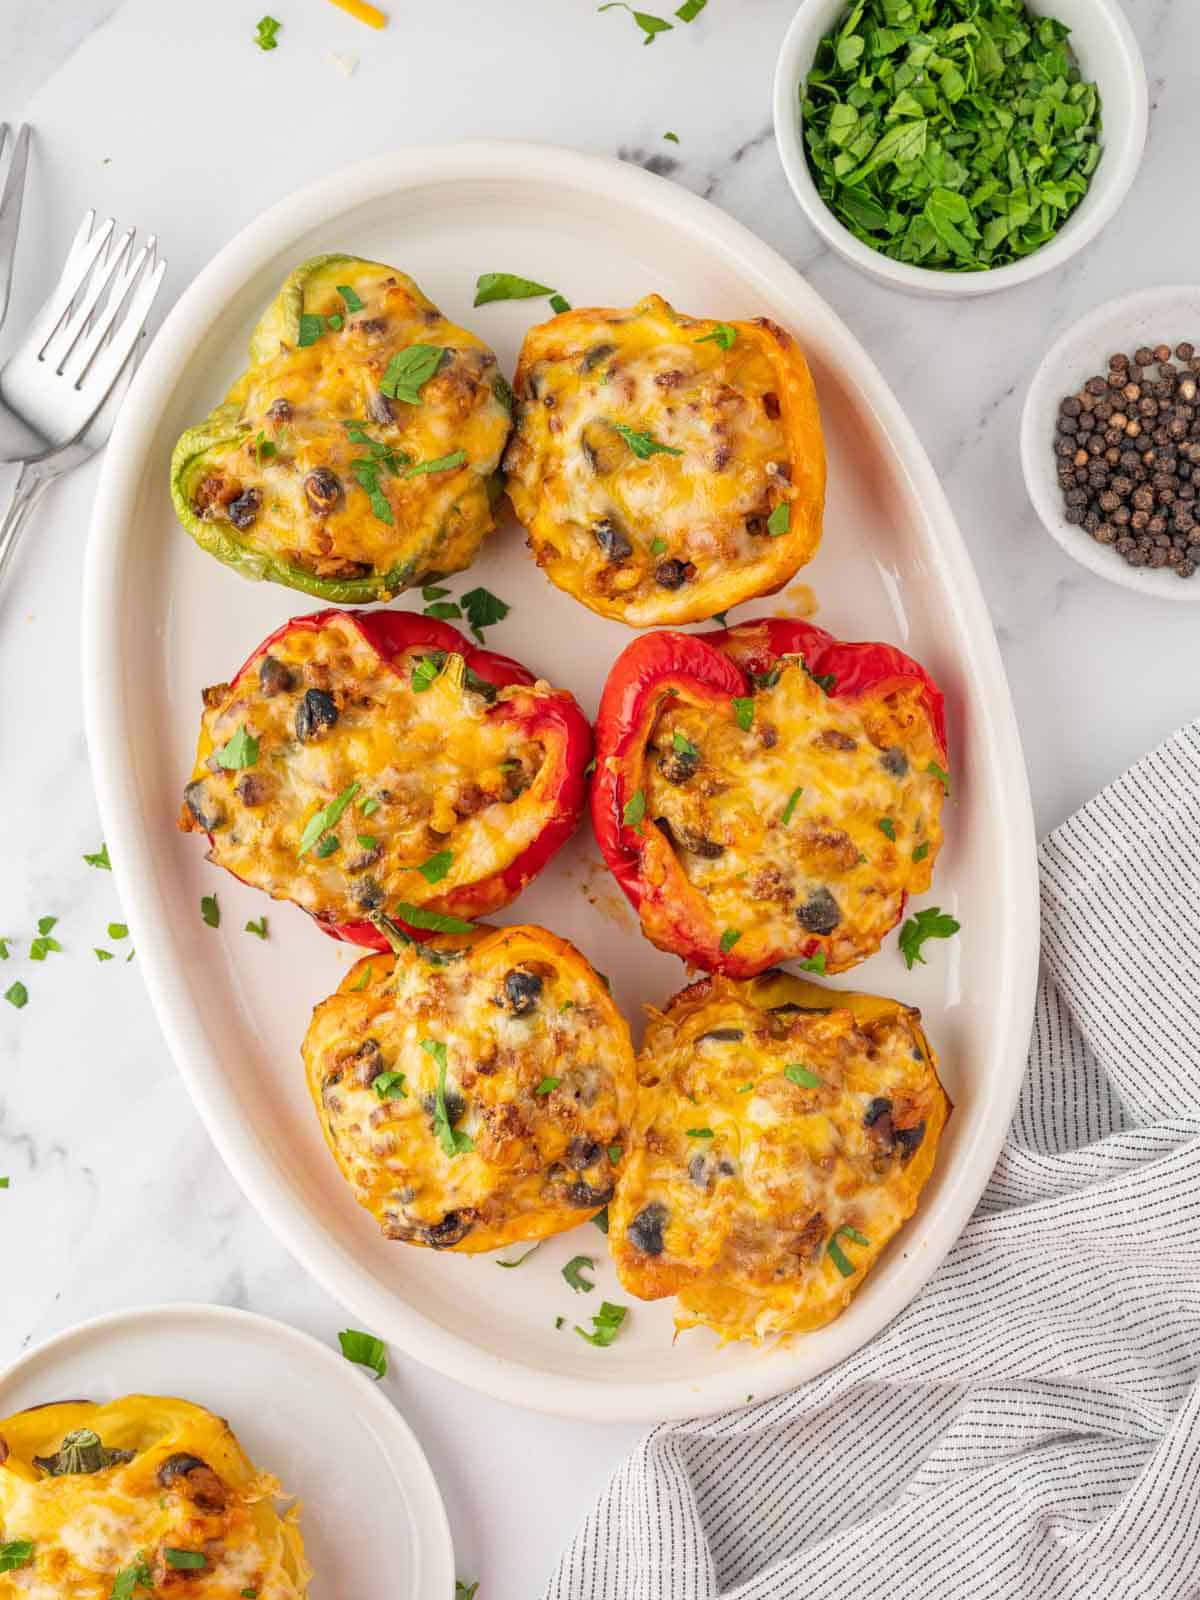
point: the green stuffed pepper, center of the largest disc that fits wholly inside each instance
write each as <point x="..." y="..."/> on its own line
<point x="358" y="454"/>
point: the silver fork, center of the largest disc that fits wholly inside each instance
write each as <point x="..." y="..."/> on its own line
<point x="77" y="346"/>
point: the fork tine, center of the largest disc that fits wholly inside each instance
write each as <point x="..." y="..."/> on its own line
<point x="85" y="250"/>
<point x="10" y="207"/>
<point x="107" y="366"/>
<point x="59" y="347"/>
<point x="81" y="359"/>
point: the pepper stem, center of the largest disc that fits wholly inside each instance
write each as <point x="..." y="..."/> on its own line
<point x="392" y="932"/>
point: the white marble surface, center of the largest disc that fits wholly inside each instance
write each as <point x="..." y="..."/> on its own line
<point x="166" y="114"/>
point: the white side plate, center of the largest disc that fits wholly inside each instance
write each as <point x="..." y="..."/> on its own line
<point x="161" y="620"/>
<point x="373" y="1522"/>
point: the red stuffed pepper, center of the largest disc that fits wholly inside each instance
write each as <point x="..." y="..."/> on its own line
<point x="768" y="793"/>
<point x="379" y="762"/>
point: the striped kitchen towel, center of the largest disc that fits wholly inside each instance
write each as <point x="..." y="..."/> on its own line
<point x="1030" y="1426"/>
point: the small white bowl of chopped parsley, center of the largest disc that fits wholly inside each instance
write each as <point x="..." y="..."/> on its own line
<point x="950" y="149"/>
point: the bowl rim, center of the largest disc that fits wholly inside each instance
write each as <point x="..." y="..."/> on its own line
<point x="1158" y="583"/>
<point x="1120" y="161"/>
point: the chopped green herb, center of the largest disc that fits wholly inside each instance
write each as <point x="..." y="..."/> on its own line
<point x="241" y="751"/>
<point x="559" y="303"/>
<point x="791" y="805"/>
<point x="353" y="303"/>
<point x="103" y="955"/>
<point x="184" y="1560"/>
<point x="746" y="1088"/>
<point x="442" y="464"/>
<point x="436" y="868"/>
<point x="838" y="1256"/>
<point x="615" y="1152"/>
<point x="813" y="964"/>
<point x="365" y="1350"/>
<point x="743" y="710"/>
<point x="491" y="286"/>
<point x="327" y="846"/>
<point x="635" y="809"/>
<point x="410" y="370"/>
<point x="573" y="1273"/>
<point x="248" y="1594"/>
<point x="590" y="768"/>
<point x="266" y="33"/>
<point x="335" y="323"/>
<point x="720" y="616"/>
<point x="210" y="911"/>
<point x="357" y="988"/>
<point x="310" y="330"/>
<point x="722" y="335"/>
<point x="644" y="445"/>
<point x="389" y="1086"/>
<point x="118" y="930"/>
<point x="431" y="921"/>
<point x="136" y="1576"/>
<point x="433" y="592"/>
<point x="658" y="547"/>
<point x="683" y="746"/>
<point x="466" y="1591"/>
<point x="931" y="923"/>
<point x="328" y="817"/>
<point x="690" y="10"/>
<point x="601" y="1219"/>
<point x="369" y="806"/>
<point x="940" y="774"/>
<point x="17" y="995"/>
<point x="823" y="680"/>
<point x="4" y="1183"/>
<point x="674" y="138"/>
<point x="548" y="1086"/>
<point x="780" y="519"/>
<point x="264" y="448"/>
<point x="100" y="859"/>
<point x="4" y="944"/>
<point x="522" y="1258"/>
<point x="921" y="851"/>
<point x="700" y="1133"/>
<point x="45" y="924"/>
<point x="366" y="841"/>
<point x="729" y="938"/>
<point x="16" y="1552"/>
<point x="606" y="1324"/>
<point x="444" y="610"/>
<point x="366" y="475"/>
<point x="888" y="828"/>
<point x="258" y="929"/>
<point x="802" y="1076"/>
<point x="425" y="673"/>
<point x="451" y="1141"/>
<point x="483" y="609"/>
<point x="44" y="944"/>
<point x="650" y="25"/>
<point x="559" y="1321"/>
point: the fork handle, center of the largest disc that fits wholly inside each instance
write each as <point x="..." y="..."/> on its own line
<point x="30" y="486"/>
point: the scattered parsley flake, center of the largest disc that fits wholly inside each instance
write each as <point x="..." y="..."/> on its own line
<point x="327" y="846"/>
<point x="838" y="1256"/>
<point x="644" y="445"/>
<point x="573" y="1273"/>
<point x="888" y="828"/>
<point x="683" y="746"/>
<point x="791" y="805"/>
<point x="467" y="1591"/>
<point x="441" y="464"/>
<point x="635" y="809"/>
<point x="328" y="817"/>
<point x="490" y="286"/>
<point x="258" y="929"/>
<point x="103" y="955"/>
<point x="673" y="137"/>
<point x="780" y="519"/>
<point x="353" y="303"/>
<point x="690" y="10"/>
<point x="921" y="851"/>
<point x="118" y="930"/>
<point x="606" y="1324"/>
<point x="522" y="1258"/>
<point x="650" y="25"/>
<point x="931" y="923"/>
<point x="410" y="370"/>
<point x="700" y="1133"/>
<point x="365" y="1350"/>
<point x="99" y="859"/>
<point x="17" y="995"/>
<point x="483" y="609"/>
<point x="615" y="1152"/>
<point x="729" y="938"/>
<point x="942" y="776"/>
<point x="357" y="988"/>
<point x="721" y="617"/>
<point x="722" y="335"/>
<point x="369" y="806"/>
<point x="743" y="710"/>
<point x="264" y="448"/>
<point x="444" y="610"/>
<point x="136" y="1576"/>
<point x="658" y="547"/>
<point x="814" y="964"/>
<point x="452" y="1142"/>
<point x="548" y="1086"/>
<point x="431" y="921"/>
<point x="210" y="911"/>
<point x="16" y="1552"/>
<point x="436" y="868"/>
<point x="559" y="303"/>
<point x="601" y="1219"/>
<point x="185" y="1560"/>
<point x="389" y="1086"/>
<point x="266" y="33"/>
<point x="802" y="1076"/>
<point x="241" y="751"/>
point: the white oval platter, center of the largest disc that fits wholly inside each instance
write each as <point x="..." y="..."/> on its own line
<point x="300" y="1411"/>
<point x="161" y="620"/>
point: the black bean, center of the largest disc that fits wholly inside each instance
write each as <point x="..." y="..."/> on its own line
<point x="587" y="1196"/>
<point x="894" y="760"/>
<point x="583" y="1153"/>
<point x="722" y="1035"/>
<point x="177" y="1466"/>
<point x="597" y="354"/>
<point x="315" y="713"/>
<point x="379" y="408"/>
<point x="453" y="1228"/>
<point x="273" y="677"/>
<point x="673" y="574"/>
<point x="522" y="990"/>
<point x="322" y="490"/>
<point x="820" y="913"/>
<point x="678" y="766"/>
<point x="205" y="808"/>
<point x="244" y="510"/>
<point x="909" y="1140"/>
<point x="875" y="1110"/>
<point x="611" y="540"/>
<point x="646" y="1229"/>
<point x="708" y="849"/>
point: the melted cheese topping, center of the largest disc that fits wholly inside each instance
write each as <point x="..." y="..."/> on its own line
<point x="804" y="830"/>
<point x="743" y="1187"/>
<point x="86" y="1528"/>
<point x="440" y="770"/>
<point x="282" y="475"/>
<point x="682" y="532"/>
<point x="538" y="1085"/>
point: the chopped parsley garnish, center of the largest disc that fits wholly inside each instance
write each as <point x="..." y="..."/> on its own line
<point x="674" y="138"/>
<point x="353" y="303"/>
<point x="467" y="1591"/>
<point x="888" y="828"/>
<point x="357" y="988"/>
<point x="258" y="929"/>
<point x="431" y="921"/>
<point x="424" y="673"/>
<point x="720" y="616"/>
<point x="650" y="25"/>
<point x="729" y="938"/>
<point x="615" y="1152"/>
<point x="780" y="519"/>
<point x="802" y="1076"/>
<point x="644" y="445"/>
<point x="241" y="751"/>
<point x="746" y="1088"/>
<point x="17" y="1552"/>
<point x="328" y="817"/>
<point x="366" y="841"/>
<point x="4" y="1183"/>
<point x="483" y="609"/>
<point x="536" y="1245"/>
<point x="410" y="370"/>
<point x="700" y="1133"/>
<point x="365" y="1350"/>
<point x="791" y="805"/>
<point x="722" y="334"/>
<point x="184" y="1560"/>
<point x="823" y="680"/>
<point x="559" y="1321"/>
<point x="442" y="464"/>
<point x="45" y="924"/>
<point x="99" y="859"/>
<point x="606" y="1324"/>
<point x="136" y="1576"/>
<point x="17" y="995"/>
<point x="45" y="944"/>
<point x="4" y="943"/>
<point x="366" y="469"/>
<point x="444" y="610"/>
<point x="658" y="547"/>
<point x="313" y="326"/>
<point x="433" y="592"/>
<point x="683" y="746"/>
<point x="635" y="809"/>
<point x="942" y="776"/>
<point x="690" y="10"/>
<point x="103" y="955"/>
<point x="573" y="1273"/>
<point x="210" y="911"/>
<point x="932" y="923"/>
<point x="921" y="851"/>
<point x="548" y="1086"/>
<point x="452" y="1142"/>
<point x="559" y="303"/>
<point x="266" y="33"/>
<point x="838" y="1256"/>
<point x="601" y="1219"/>
<point x="743" y="710"/>
<point x="327" y="846"/>
<point x="389" y="1086"/>
<point x="369" y="806"/>
<point x="813" y="963"/>
<point x="436" y="868"/>
<point x="264" y="448"/>
<point x="491" y="286"/>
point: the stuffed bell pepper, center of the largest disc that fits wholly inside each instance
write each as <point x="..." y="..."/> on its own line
<point x="474" y="1090"/>
<point x="768" y="793"/>
<point x="666" y="467"/>
<point x="783" y="1134"/>
<point x="366" y="761"/>
<point x="358" y="453"/>
<point x="142" y="1495"/>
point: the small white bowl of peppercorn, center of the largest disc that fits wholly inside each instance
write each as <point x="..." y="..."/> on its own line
<point x="954" y="156"/>
<point x="1110" y="442"/>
